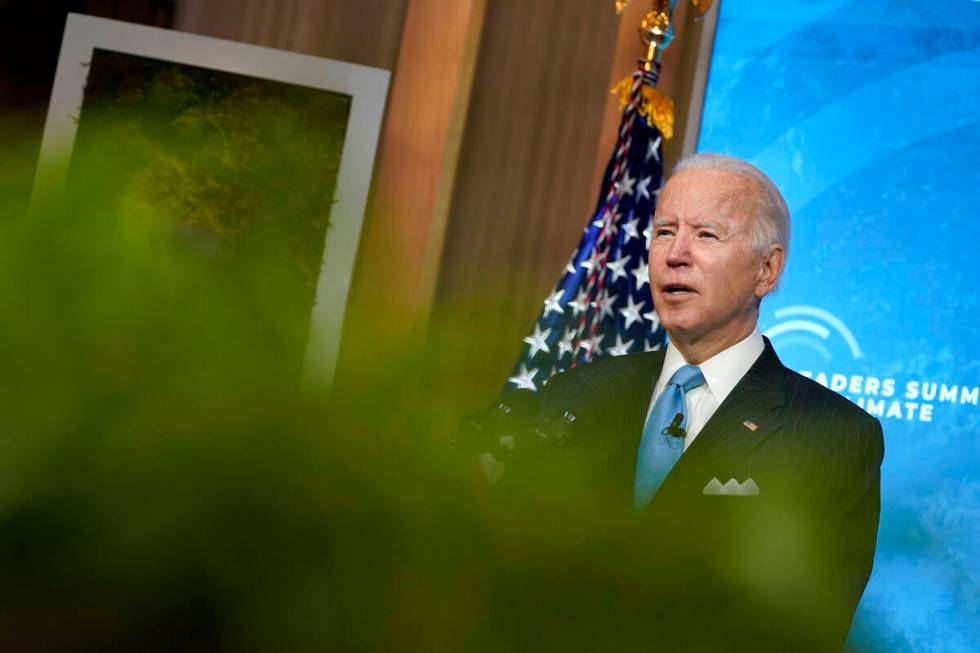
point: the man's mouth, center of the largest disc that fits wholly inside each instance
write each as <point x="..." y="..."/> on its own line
<point x="677" y="290"/>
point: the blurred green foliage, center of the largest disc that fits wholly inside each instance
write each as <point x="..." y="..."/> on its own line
<point x="166" y="483"/>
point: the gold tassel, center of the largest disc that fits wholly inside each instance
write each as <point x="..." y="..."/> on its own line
<point x="622" y="89"/>
<point x="656" y="107"/>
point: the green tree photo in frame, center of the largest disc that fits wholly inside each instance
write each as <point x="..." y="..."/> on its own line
<point x="261" y="158"/>
<point x="246" y="166"/>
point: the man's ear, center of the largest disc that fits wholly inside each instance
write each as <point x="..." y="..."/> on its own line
<point x="770" y="267"/>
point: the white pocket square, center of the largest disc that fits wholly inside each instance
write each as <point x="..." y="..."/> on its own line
<point x="746" y="488"/>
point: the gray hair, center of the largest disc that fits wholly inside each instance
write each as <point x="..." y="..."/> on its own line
<point x="771" y="224"/>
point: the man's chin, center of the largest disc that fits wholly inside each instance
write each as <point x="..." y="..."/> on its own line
<point x="686" y="330"/>
<point x="676" y="322"/>
<point x="682" y="308"/>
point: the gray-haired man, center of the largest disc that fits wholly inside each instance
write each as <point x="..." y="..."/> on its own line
<point x="759" y="488"/>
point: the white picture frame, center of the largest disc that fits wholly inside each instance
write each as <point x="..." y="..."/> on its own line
<point x="367" y="87"/>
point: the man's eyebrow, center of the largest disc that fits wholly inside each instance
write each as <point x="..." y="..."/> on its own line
<point x="706" y="224"/>
<point x="661" y="220"/>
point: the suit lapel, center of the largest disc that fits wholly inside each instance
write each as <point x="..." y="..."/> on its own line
<point x="623" y="416"/>
<point x="725" y="436"/>
<point x="637" y="398"/>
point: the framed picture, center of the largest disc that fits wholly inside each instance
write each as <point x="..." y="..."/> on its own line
<point x="238" y="141"/>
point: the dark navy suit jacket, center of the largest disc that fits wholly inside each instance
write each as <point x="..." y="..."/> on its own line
<point x="780" y="571"/>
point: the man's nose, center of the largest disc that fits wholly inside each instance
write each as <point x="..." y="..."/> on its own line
<point x="678" y="251"/>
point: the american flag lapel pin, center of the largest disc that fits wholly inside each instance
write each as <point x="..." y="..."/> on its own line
<point x="750" y="425"/>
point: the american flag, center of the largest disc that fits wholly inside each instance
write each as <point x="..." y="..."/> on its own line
<point x="602" y="305"/>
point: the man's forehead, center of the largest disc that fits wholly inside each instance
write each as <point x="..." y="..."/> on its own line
<point x="721" y="182"/>
<point x="718" y="192"/>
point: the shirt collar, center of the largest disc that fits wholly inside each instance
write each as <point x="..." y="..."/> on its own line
<point x="722" y="371"/>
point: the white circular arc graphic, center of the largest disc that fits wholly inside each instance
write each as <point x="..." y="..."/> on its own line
<point x="798" y="325"/>
<point x="812" y="327"/>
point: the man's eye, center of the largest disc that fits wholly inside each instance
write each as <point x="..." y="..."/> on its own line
<point x="663" y="232"/>
<point x="707" y="234"/>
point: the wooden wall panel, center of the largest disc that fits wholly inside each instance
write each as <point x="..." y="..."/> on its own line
<point x="401" y="243"/>
<point x="524" y="188"/>
<point x="366" y="32"/>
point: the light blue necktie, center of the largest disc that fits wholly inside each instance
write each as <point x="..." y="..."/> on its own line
<point x="659" y="452"/>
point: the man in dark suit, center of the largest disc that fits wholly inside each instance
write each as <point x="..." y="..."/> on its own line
<point x="757" y="489"/>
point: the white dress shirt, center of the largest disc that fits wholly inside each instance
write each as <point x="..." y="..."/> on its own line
<point x="721" y="373"/>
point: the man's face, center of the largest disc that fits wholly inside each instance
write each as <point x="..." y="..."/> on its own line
<point x="705" y="274"/>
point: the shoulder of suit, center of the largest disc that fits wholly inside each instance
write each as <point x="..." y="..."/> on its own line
<point x="820" y="396"/>
<point x="592" y="381"/>
<point x="602" y="369"/>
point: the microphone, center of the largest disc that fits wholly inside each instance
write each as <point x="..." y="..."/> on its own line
<point x="674" y="428"/>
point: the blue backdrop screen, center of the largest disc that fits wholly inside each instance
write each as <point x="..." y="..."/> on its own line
<point x="867" y="115"/>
